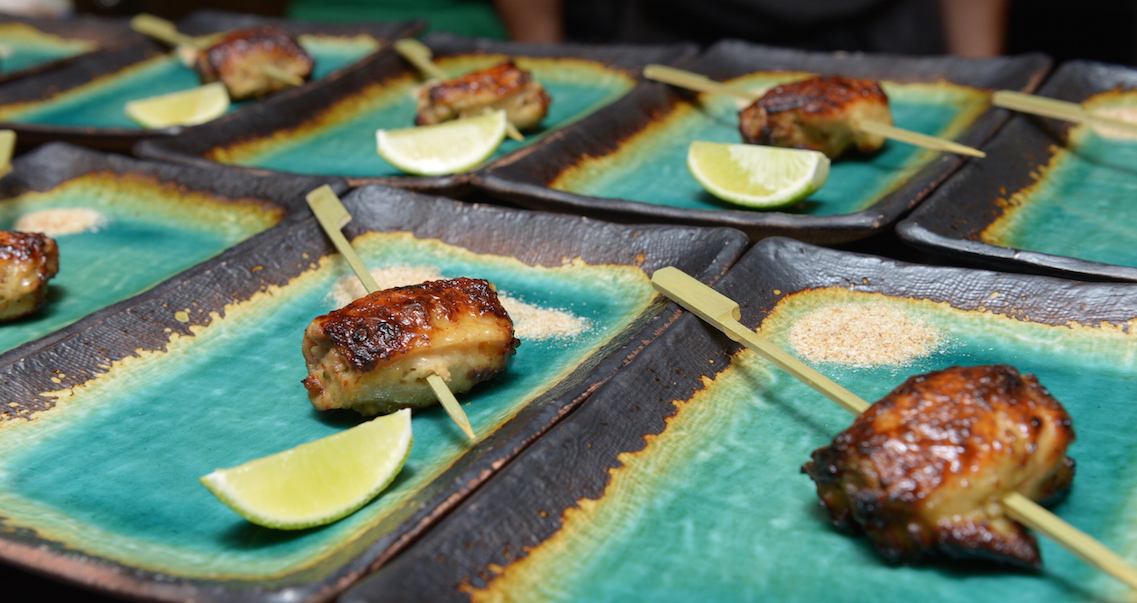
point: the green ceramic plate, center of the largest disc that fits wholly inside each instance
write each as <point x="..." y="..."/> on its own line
<point x="333" y="133"/>
<point x="84" y="102"/>
<point x="630" y="162"/>
<point x="32" y="44"/>
<point x="211" y="377"/>
<point x="680" y="479"/>
<point x="1050" y="198"/>
<point x="124" y="226"/>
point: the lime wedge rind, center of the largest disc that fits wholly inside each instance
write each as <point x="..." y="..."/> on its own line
<point x="756" y="176"/>
<point x="319" y="482"/>
<point x="447" y="148"/>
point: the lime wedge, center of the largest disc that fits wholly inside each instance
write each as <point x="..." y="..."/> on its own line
<point x="319" y="482"/>
<point x="757" y="176"/>
<point x="446" y="148"/>
<point x="183" y="108"/>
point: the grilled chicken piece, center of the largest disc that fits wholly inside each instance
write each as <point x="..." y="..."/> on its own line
<point x="374" y="354"/>
<point x="925" y="469"/>
<point x="818" y="114"/>
<point x="27" y="261"/>
<point x="243" y="59"/>
<point x="503" y="86"/>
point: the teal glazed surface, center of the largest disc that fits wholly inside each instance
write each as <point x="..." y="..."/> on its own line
<point x="27" y="55"/>
<point x="233" y="393"/>
<point x="654" y="170"/>
<point x="145" y="239"/>
<point x="716" y="509"/>
<point x="100" y="104"/>
<point x="1082" y="205"/>
<point x="344" y="143"/>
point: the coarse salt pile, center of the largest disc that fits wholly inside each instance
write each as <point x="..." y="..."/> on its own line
<point x="56" y="222"/>
<point x="862" y="335"/>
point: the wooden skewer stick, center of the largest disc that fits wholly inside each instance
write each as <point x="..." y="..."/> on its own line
<point x="724" y="313"/>
<point x="1057" y="109"/>
<point x="418" y="54"/>
<point x="165" y="31"/>
<point x="333" y="216"/>
<point x="701" y="83"/>
<point x="7" y="149"/>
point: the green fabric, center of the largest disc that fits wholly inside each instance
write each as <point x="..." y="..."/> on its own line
<point x="475" y="18"/>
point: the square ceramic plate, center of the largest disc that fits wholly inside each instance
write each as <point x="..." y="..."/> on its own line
<point x="679" y="479"/>
<point x="333" y="132"/>
<point x="629" y="163"/>
<point x="124" y="226"/>
<point x="83" y="102"/>
<point x="32" y="45"/>
<point x="206" y="373"/>
<point x="1049" y="198"/>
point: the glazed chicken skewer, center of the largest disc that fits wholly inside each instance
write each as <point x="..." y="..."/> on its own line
<point x="418" y="54"/>
<point x="861" y="126"/>
<point x="196" y="51"/>
<point x="333" y="216"/>
<point x="723" y="313"/>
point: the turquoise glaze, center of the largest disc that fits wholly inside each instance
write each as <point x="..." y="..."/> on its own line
<point x="99" y="104"/>
<point x="344" y="142"/>
<point x="148" y="237"/>
<point x="652" y="168"/>
<point x="27" y="55"/>
<point x="1082" y="205"/>
<point x="716" y="509"/>
<point x="23" y="47"/>
<point x="233" y="393"/>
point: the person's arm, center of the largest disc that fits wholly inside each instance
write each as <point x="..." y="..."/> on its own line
<point x="975" y="28"/>
<point x="532" y="20"/>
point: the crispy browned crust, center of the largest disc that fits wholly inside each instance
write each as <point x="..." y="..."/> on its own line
<point x="28" y="261"/>
<point x="907" y="468"/>
<point x="816" y="114"/>
<point x="386" y="324"/>
<point x="476" y="91"/>
<point x="234" y="60"/>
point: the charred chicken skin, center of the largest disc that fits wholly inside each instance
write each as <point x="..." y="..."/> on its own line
<point x="375" y="354"/>
<point x="818" y="114"/>
<point x="240" y="58"/>
<point x="28" y="261"/>
<point x="924" y="470"/>
<point x="503" y="86"/>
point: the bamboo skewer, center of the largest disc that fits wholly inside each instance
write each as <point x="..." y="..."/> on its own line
<point x="333" y="216"/>
<point x="7" y="149"/>
<point x="418" y="54"/>
<point x="724" y="313"/>
<point x="165" y="31"/>
<point x="701" y="83"/>
<point x="1057" y="109"/>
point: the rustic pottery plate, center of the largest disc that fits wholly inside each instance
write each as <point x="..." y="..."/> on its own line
<point x="679" y="479"/>
<point x="1049" y="198"/>
<point x="333" y="132"/>
<point x="629" y="163"/>
<point x="32" y="44"/>
<point x="124" y="226"/>
<point x="206" y="373"/>
<point x="83" y="102"/>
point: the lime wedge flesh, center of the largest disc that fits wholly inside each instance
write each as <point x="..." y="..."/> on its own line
<point x="318" y="482"/>
<point x="446" y="148"/>
<point x="182" y="108"/>
<point x="757" y="176"/>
